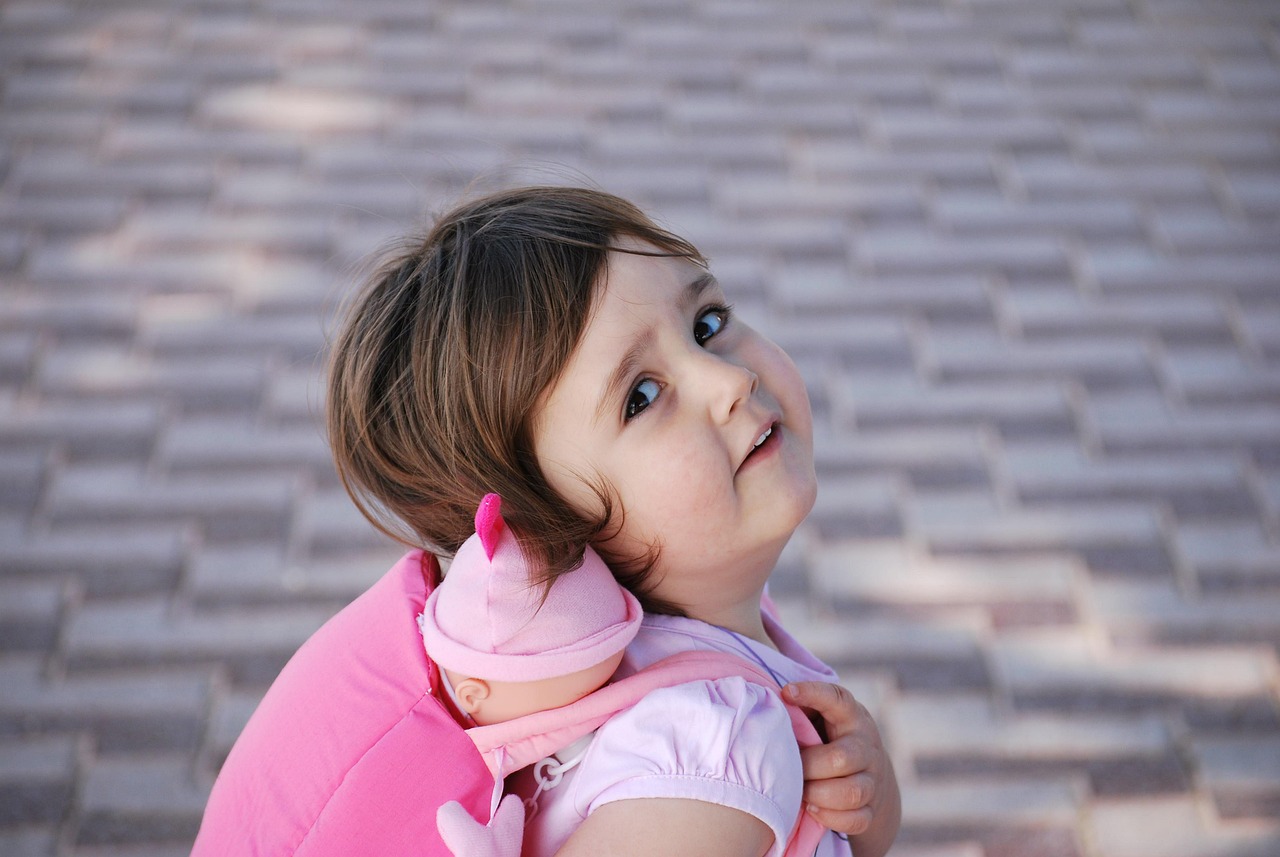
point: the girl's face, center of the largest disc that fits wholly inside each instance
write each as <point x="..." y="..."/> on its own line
<point x="701" y="425"/>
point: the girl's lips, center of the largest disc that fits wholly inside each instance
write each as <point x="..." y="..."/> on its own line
<point x="764" y="450"/>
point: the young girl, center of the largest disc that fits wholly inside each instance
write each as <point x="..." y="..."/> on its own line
<point x="555" y="346"/>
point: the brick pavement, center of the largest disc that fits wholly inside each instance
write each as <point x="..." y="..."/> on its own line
<point x="1026" y="253"/>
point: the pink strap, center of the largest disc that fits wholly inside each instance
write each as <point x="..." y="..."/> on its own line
<point x="510" y="746"/>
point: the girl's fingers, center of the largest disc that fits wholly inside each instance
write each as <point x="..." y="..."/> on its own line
<point x="843" y="756"/>
<point x="851" y="823"/>
<point x="841" y="795"/>
<point x="832" y="702"/>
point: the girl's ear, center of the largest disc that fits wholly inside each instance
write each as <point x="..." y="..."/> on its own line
<point x="471" y="692"/>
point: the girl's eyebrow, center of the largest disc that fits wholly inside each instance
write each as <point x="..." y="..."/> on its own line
<point x="626" y="367"/>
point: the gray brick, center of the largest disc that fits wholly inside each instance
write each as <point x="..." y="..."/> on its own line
<point x="220" y="446"/>
<point x="84" y="213"/>
<point x="28" y="841"/>
<point x="1256" y="192"/>
<point x="1238" y="427"/>
<point x="1172" y="824"/>
<point x="1059" y="529"/>
<point x="253" y="645"/>
<point x="1246" y="275"/>
<point x="1053" y="179"/>
<point x="831" y="160"/>
<point x="293" y="337"/>
<point x="1065" y="660"/>
<point x="195" y="384"/>
<point x="1208" y="230"/>
<point x="1043" y="313"/>
<point x="1209" y="486"/>
<point x="1239" y="762"/>
<point x="227" y="507"/>
<point x="1210" y="376"/>
<point x="86" y="317"/>
<point x="903" y="252"/>
<point x="327" y="521"/>
<point x="1122" y="143"/>
<point x="29" y="616"/>
<point x="104" y="562"/>
<point x="1019" y="408"/>
<point x="36" y="780"/>
<point x="976" y="214"/>
<point x="85" y="429"/>
<point x="257" y="575"/>
<point x="1096" y="362"/>
<point x="1141" y="614"/>
<point x="230" y="714"/>
<point x="139" y="800"/>
<point x="1229" y="555"/>
<point x="21" y="480"/>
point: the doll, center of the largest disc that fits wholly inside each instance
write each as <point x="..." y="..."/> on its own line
<point x="508" y="647"/>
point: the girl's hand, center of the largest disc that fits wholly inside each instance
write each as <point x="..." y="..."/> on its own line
<point x="849" y="784"/>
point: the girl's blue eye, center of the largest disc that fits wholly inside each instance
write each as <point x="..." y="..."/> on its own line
<point x="710" y="323"/>
<point x="642" y="397"/>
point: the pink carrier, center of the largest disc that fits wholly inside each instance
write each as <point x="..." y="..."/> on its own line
<point x="352" y="749"/>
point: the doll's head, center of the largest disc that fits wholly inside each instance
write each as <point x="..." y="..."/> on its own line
<point x="444" y="359"/>
<point x="511" y="647"/>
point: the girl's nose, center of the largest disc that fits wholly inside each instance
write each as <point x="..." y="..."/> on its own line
<point x="730" y="385"/>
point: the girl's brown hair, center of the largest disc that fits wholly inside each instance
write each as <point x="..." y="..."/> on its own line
<point x="443" y="359"/>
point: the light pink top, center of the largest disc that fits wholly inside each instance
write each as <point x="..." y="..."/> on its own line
<point x="727" y="742"/>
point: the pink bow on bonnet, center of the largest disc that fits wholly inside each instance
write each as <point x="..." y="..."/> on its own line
<point x="484" y="620"/>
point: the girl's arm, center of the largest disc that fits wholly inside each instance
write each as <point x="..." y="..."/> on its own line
<point x="671" y="827"/>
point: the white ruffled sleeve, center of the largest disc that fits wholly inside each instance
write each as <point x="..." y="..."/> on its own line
<point x="727" y="742"/>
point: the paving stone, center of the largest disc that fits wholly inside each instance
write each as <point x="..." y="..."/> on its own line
<point x="1019" y="408"/>
<point x="1173" y="826"/>
<point x="928" y="458"/>
<point x="219" y="446"/>
<point x="29" y="616"/>
<point x="139" y="800"/>
<point x="86" y="429"/>
<point x="28" y="841"/>
<point x="221" y="382"/>
<point x="124" y="711"/>
<point x="227" y="508"/>
<point x="146" y="633"/>
<point x="888" y="571"/>
<point x="1201" y="486"/>
<point x="104" y="562"/>
<point x="255" y="575"/>
<point x="1155" y="612"/>
<point x="1063" y="660"/>
<point x="1098" y="363"/>
<point x="36" y="780"/>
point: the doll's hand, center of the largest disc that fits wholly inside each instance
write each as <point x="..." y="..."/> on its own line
<point x="849" y="784"/>
<point x="467" y="837"/>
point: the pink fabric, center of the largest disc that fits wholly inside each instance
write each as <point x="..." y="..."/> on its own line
<point x="489" y="620"/>
<point x="349" y="744"/>
<point x="725" y="741"/>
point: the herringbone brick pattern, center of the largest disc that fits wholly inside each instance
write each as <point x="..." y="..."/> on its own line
<point x="1027" y="253"/>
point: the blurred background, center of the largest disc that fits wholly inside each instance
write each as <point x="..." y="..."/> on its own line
<point x="1026" y="253"/>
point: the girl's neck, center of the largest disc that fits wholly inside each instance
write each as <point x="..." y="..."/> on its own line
<point x="744" y="619"/>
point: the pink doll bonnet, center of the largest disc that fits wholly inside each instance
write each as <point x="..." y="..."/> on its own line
<point x="486" y="621"/>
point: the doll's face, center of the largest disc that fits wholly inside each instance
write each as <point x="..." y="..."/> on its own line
<point x="700" y="424"/>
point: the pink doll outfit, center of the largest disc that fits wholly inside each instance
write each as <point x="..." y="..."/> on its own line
<point x="726" y="742"/>
<point x="489" y="619"/>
